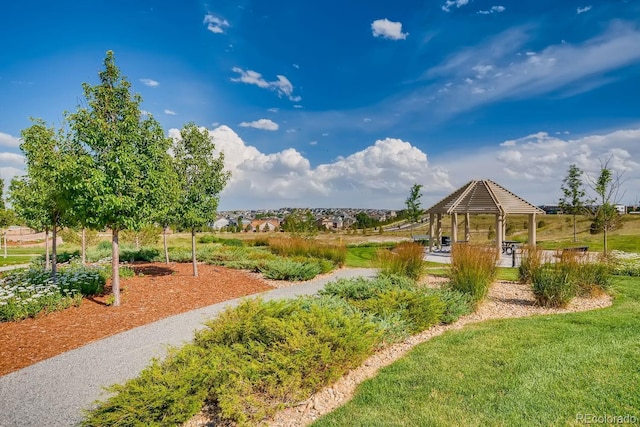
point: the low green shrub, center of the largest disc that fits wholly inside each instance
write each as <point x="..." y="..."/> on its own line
<point x="209" y="238"/>
<point x="406" y="259"/>
<point x="249" y="362"/>
<point x="417" y="309"/>
<point x="361" y="288"/>
<point x="553" y="285"/>
<point x="473" y="269"/>
<point x="456" y="304"/>
<point x="625" y="263"/>
<point x="284" y="269"/>
<point x="142" y="254"/>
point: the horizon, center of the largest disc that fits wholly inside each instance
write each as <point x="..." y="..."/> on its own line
<point x="321" y="104"/>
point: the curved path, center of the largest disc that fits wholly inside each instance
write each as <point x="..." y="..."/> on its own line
<point x="54" y="392"/>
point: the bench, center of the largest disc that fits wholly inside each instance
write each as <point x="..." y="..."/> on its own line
<point x="509" y="246"/>
<point x="574" y="251"/>
<point x="423" y="239"/>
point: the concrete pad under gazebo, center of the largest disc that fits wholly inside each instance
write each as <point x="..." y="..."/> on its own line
<point x="480" y="197"/>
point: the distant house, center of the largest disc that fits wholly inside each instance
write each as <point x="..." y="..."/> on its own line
<point x="325" y="223"/>
<point x="220" y="224"/>
<point x="268" y="224"/>
<point x="622" y="209"/>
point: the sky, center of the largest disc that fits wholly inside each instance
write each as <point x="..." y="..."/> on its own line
<point x="349" y="103"/>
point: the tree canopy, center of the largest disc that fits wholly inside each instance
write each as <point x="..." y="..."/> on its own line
<point x="573" y="200"/>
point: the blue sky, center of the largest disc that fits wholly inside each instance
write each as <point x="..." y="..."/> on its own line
<point x="339" y="103"/>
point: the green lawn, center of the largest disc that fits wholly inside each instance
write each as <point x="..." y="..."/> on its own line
<point x="542" y="370"/>
<point x="361" y="256"/>
<point x="14" y="260"/>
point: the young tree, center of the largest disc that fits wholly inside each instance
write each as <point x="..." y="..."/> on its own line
<point x="42" y="198"/>
<point x="573" y="200"/>
<point x="202" y="180"/>
<point x="128" y="154"/>
<point x="7" y="216"/>
<point x="414" y="211"/>
<point x="607" y="188"/>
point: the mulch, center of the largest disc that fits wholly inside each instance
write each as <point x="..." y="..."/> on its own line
<point x="156" y="292"/>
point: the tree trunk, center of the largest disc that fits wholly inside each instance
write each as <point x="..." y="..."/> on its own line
<point x="575" y="239"/>
<point x="115" y="267"/>
<point x="83" y="250"/>
<point x="5" y="243"/>
<point x="193" y="252"/>
<point x="166" y="248"/>
<point x="137" y="240"/>
<point x="605" y="239"/>
<point x="54" y="254"/>
<point x="47" y="259"/>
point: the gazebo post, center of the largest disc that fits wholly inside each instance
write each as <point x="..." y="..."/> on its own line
<point x="432" y="228"/>
<point x="454" y="228"/>
<point x="467" y="227"/>
<point x="499" y="235"/>
<point x="532" y="230"/>
<point x="439" y="232"/>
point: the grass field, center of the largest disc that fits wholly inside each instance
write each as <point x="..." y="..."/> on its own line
<point x="542" y="370"/>
<point x="14" y="260"/>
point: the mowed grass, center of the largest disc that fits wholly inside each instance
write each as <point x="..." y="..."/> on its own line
<point x="14" y="260"/>
<point x="542" y="370"/>
<point x="363" y="256"/>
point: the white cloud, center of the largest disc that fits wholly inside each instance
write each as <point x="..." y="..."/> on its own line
<point x="170" y="112"/>
<point x="273" y="110"/>
<point x="7" y="140"/>
<point x="580" y="67"/>
<point x="264" y="124"/>
<point x="15" y="158"/>
<point x="215" y="24"/>
<point x="325" y="134"/>
<point x="583" y="9"/>
<point x="282" y="86"/>
<point x="298" y="106"/>
<point x="388" y="29"/>
<point x="494" y="9"/>
<point x="457" y="3"/>
<point x="366" y="120"/>
<point x="150" y="83"/>
<point x="296" y="66"/>
<point x="379" y="175"/>
<point x="313" y="142"/>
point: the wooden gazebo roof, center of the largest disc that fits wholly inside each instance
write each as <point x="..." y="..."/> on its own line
<point x="483" y="197"/>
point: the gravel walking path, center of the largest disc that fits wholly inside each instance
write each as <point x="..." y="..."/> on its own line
<point x="54" y="392"/>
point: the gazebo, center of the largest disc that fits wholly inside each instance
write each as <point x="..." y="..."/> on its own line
<point x="480" y="197"/>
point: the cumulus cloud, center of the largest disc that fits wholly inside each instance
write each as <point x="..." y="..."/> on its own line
<point x="457" y="3"/>
<point x="7" y="140"/>
<point x="282" y="86"/>
<point x="583" y="9"/>
<point x="388" y="29"/>
<point x="215" y="24"/>
<point x="379" y="175"/>
<point x="273" y="110"/>
<point x="150" y="82"/>
<point x="170" y="112"/>
<point x="264" y="124"/>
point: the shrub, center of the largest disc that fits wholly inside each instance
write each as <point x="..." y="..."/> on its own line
<point x="473" y="269"/>
<point x="361" y="288"/>
<point x="249" y="362"/>
<point x="147" y="236"/>
<point x="72" y="236"/>
<point x="407" y="259"/>
<point x="296" y="246"/>
<point x="142" y="254"/>
<point x="26" y="293"/>
<point x="417" y="309"/>
<point x="209" y="238"/>
<point x="592" y="278"/>
<point x="553" y="285"/>
<point x="284" y="269"/>
<point x="63" y="257"/>
<point x="625" y="263"/>
<point x="456" y="304"/>
<point x="532" y="259"/>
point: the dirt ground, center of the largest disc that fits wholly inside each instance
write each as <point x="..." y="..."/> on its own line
<point x="157" y="291"/>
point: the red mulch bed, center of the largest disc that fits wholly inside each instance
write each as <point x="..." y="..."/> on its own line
<point x="162" y="291"/>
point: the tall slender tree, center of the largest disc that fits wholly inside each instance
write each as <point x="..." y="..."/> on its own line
<point x="202" y="179"/>
<point x="414" y="210"/>
<point x="128" y="154"/>
<point x="573" y="199"/>
<point x="607" y="188"/>
<point x="41" y="198"/>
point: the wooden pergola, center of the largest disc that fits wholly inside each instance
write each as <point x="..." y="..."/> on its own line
<point x="480" y="197"/>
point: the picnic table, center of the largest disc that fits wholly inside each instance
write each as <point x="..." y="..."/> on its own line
<point x="509" y="246"/>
